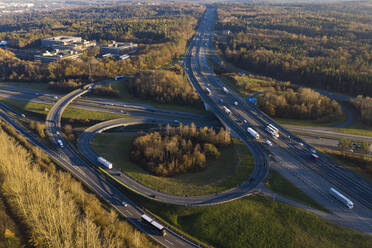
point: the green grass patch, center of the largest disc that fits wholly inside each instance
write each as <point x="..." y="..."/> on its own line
<point x="30" y="85"/>
<point x="40" y="110"/>
<point x="362" y="132"/>
<point x="280" y="185"/>
<point x="258" y="221"/>
<point x="311" y="123"/>
<point x="121" y="86"/>
<point x="232" y="168"/>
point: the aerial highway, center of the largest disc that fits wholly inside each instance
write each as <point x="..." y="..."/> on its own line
<point x="291" y="154"/>
<point x="83" y="145"/>
<point x="136" y="109"/>
<point x="78" y="167"/>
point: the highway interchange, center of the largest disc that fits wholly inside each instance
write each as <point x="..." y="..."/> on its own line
<point x="289" y="158"/>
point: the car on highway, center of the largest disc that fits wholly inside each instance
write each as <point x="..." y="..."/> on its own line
<point x="313" y="150"/>
<point x="57" y="132"/>
<point x="268" y="142"/>
<point x="236" y="103"/>
<point x="124" y="204"/>
<point x="60" y="143"/>
<point x="220" y="100"/>
<point x="23" y="115"/>
<point x="55" y="97"/>
<point x="301" y="144"/>
<point x="245" y="121"/>
<point x="176" y="121"/>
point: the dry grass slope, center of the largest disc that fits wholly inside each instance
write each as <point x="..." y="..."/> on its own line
<point x="54" y="207"/>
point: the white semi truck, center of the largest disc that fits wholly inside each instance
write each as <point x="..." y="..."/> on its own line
<point x="253" y="133"/>
<point x="341" y="198"/>
<point x="104" y="162"/>
<point x="271" y="129"/>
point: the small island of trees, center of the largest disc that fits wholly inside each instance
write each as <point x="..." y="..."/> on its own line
<point x="176" y="150"/>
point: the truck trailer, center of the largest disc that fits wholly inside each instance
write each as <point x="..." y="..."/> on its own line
<point x="253" y="133"/>
<point x="348" y="203"/>
<point x="104" y="162"/>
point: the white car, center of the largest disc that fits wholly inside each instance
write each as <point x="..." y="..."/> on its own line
<point x="23" y="115"/>
<point x="55" y="97"/>
<point x="313" y="150"/>
<point x="268" y="142"/>
<point x="236" y="103"/>
<point x="60" y="143"/>
<point x="245" y="121"/>
<point x="124" y="204"/>
<point x="301" y="144"/>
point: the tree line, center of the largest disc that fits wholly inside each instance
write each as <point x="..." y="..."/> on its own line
<point x="163" y="86"/>
<point x="322" y="46"/>
<point x="177" y="150"/>
<point x="364" y="106"/>
<point x="302" y="103"/>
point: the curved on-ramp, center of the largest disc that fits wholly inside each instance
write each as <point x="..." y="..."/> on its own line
<point x="83" y="145"/>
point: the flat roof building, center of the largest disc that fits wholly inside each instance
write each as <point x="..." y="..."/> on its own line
<point x="67" y="42"/>
<point x="118" y="47"/>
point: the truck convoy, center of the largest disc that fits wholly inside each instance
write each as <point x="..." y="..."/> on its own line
<point x="158" y="227"/>
<point x="104" y="162"/>
<point x="227" y="111"/>
<point x="273" y="131"/>
<point x="341" y="198"/>
<point x="225" y="90"/>
<point x="253" y="133"/>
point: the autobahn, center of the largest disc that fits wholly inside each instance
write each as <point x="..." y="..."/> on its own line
<point x="292" y="159"/>
<point x="135" y="109"/>
<point x="79" y="168"/>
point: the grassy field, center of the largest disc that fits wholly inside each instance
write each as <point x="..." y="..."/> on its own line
<point x="258" y="222"/>
<point x="309" y="123"/>
<point x="126" y="97"/>
<point x="233" y="167"/>
<point x="30" y="85"/>
<point x="363" y="132"/>
<point x="10" y="236"/>
<point x="40" y="109"/>
<point x="280" y="185"/>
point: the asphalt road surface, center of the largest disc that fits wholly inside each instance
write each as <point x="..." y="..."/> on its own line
<point x="293" y="161"/>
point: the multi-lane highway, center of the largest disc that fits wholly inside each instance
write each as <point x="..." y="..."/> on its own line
<point x="137" y="109"/>
<point x="68" y="159"/>
<point x="291" y="158"/>
<point x="292" y="154"/>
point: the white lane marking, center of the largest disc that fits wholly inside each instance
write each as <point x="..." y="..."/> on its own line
<point x="168" y="242"/>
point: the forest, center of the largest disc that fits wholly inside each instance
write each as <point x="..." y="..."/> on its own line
<point x="163" y="86"/>
<point x="162" y="32"/>
<point x="364" y="106"/>
<point x="176" y="150"/>
<point x="326" y="46"/>
<point x="54" y="209"/>
<point x="300" y="104"/>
